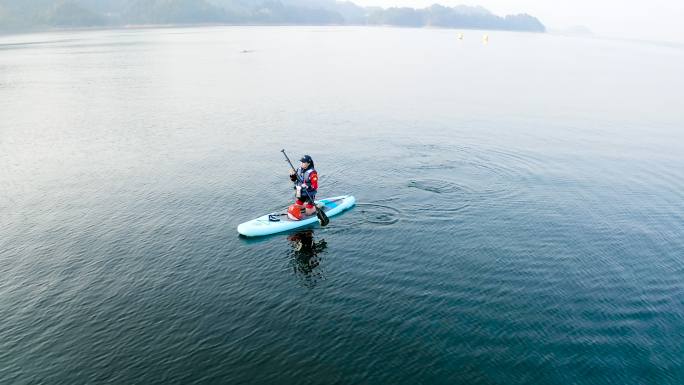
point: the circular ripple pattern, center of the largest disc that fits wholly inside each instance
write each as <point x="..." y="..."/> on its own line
<point x="439" y="198"/>
<point x="490" y="173"/>
<point x="378" y="214"/>
<point x="436" y="186"/>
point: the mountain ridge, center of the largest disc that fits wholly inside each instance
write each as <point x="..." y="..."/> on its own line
<point x="40" y="14"/>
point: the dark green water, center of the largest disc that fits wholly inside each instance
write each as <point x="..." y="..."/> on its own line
<point x="520" y="216"/>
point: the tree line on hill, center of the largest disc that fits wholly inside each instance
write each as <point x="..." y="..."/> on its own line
<point x="35" y="14"/>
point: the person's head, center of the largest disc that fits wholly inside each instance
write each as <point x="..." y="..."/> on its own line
<point x="306" y="162"/>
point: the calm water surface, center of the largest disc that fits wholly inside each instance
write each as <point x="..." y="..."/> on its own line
<point x="520" y="216"/>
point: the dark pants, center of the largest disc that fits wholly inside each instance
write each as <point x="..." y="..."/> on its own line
<point x="307" y="199"/>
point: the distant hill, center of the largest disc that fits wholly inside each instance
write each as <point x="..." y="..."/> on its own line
<point x="456" y="17"/>
<point x="37" y="14"/>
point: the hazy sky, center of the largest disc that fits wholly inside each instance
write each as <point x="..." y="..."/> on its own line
<point x="643" y="19"/>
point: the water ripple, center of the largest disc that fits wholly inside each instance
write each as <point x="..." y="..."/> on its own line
<point x="377" y="214"/>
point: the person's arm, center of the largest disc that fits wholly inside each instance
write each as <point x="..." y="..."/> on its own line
<point x="314" y="180"/>
<point x="293" y="175"/>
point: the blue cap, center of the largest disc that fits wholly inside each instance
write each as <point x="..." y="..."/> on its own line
<point x="306" y="159"/>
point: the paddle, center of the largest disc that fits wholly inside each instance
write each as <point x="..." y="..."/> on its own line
<point x="322" y="218"/>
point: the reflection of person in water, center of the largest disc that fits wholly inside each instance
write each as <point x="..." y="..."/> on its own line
<point x="305" y="255"/>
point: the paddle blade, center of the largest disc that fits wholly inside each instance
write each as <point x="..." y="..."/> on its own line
<point x="322" y="218"/>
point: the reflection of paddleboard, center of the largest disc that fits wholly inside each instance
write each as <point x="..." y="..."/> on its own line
<point x="279" y="222"/>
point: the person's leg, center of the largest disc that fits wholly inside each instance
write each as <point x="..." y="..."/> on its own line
<point x="294" y="212"/>
<point x="310" y="209"/>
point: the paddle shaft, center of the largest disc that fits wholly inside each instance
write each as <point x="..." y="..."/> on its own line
<point x="288" y="161"/>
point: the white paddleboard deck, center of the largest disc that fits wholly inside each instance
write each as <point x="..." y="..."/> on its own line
<point x="265" y="226"/>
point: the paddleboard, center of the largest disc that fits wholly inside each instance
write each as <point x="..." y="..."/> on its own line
<point x="278" y="222"/>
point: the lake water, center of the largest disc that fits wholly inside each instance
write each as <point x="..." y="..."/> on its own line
<point x="520" y="212"/>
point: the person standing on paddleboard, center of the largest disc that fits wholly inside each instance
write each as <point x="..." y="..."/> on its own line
<point x="306" y="186"/>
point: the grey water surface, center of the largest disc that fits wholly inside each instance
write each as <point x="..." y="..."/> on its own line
<point x="520" y="212"/>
